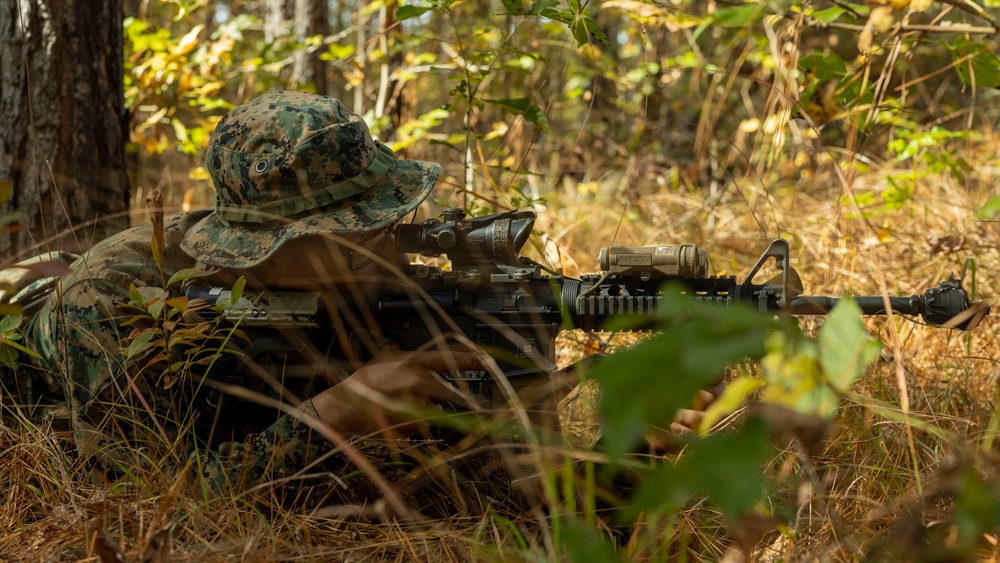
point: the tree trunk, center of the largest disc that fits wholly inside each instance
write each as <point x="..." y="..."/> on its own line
<point x="278" y="19"/>
<point x="312" y="18"/>
<point x="63" y="125"/>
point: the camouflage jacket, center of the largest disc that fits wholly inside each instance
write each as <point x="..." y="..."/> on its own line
<point x="123" y="415"/>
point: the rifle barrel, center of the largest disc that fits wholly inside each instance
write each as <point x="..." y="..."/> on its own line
<point x="870" y="305"/>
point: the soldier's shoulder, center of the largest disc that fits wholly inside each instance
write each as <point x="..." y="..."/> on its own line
<point x="127" y="257"/>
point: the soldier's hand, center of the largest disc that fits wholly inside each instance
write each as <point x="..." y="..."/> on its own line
<point x="383" y="390"/>
<point x="684" y="424"/>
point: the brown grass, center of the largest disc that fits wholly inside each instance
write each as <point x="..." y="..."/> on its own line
<point x="885" y="477"/>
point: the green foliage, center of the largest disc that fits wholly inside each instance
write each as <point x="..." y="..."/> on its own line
<point x="989" y="209"/>
<point x="727" y="468"/>
<point x="933" y="149"/>
<point x="604" y="77"/>
<point x="9" y="347"/>
<point x="808" y="377"/>
<point x="648" y="384"/>
<point x="976" y="63"/>
<point x="583" y="545"/>
<point x="169" y="331"/>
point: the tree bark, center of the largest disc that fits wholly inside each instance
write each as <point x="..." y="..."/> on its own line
<point x="278" y="18"/>
<point x="63" y="124"/>
<point x="312" y="17"/>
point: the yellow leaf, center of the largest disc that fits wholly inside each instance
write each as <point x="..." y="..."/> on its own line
<point x="732" y="398"/>
<point x="188" y="42"/>
<point x="882" y="18"/>
<point x="154" y="119"/>
<point x="879" y="20"/>
<point x="6" y="190"/>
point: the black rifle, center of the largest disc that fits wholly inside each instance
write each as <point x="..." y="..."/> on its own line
<point x="495" y="298"/>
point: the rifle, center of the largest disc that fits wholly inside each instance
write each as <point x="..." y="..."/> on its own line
<point x="507" y="304"/>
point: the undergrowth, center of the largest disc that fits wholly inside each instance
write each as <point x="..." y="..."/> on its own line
<point x="884" y="480"/>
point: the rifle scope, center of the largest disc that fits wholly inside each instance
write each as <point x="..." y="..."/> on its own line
<point x="489" y="238"/>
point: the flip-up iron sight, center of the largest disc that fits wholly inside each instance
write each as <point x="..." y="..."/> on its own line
<point x="487" y="249"/>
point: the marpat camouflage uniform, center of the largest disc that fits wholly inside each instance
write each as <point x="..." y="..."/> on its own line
<point x="285" y="165"/>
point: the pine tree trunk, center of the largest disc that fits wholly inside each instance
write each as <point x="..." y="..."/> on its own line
<point x="63" y="124"/>
<point x="312" y="18"/>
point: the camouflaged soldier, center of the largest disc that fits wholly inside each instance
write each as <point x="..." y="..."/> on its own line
<point x="302" y="189"/>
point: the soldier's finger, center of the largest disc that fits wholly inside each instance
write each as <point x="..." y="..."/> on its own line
<point x="680" y="429"/>
<point x="436" y="389"/>
<point x="688" y="417"/>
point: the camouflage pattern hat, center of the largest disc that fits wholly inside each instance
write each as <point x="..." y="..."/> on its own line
<point x="292" y="164"/>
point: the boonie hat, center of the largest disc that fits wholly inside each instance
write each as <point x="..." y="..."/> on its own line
<point x="292" y="164"/>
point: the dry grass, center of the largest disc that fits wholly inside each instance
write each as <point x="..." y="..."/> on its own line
<point x="885" y="477"/>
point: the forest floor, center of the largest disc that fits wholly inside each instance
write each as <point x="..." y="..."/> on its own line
<point x="888" y="474"/>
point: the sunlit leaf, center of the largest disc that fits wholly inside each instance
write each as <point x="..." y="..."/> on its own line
<point x="845" y="346"/>
<point x="189" y="41"/>
<point x="739" y="16"/>
<point x="990" y="208"/>
<point x="829" y="15"/>
<point x="406" y="12"/>
<point x="732" y="398"/>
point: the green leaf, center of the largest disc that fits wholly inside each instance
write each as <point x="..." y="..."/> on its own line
<point x="646" y="384"/>
<point x="16" y="346"/>
<point x="237" y="291"/>
<point x="726" y="467"/>
<point x="829" y="15"/>
<point x="337" y="52"/>
<point x="583" y="544"/>
<point x="407" y="12"/>
<point x="135" y="298"/>
<point x="990" y="208"/>
<point x="156" y="307"/>
<point x="845" y="349"/>
<point x="585" y="29"/>
<point x="792" y="370"/>
<point x="982" y="69"/>
<point x="186" y="274"/>
<point x="514" y="7"/>
<point x="140" y="343"/>
<point x="830" y="67"/>
<point x="9" y="324"/>
<point x="523" y="106"/>
<point x="739" y="16"/>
